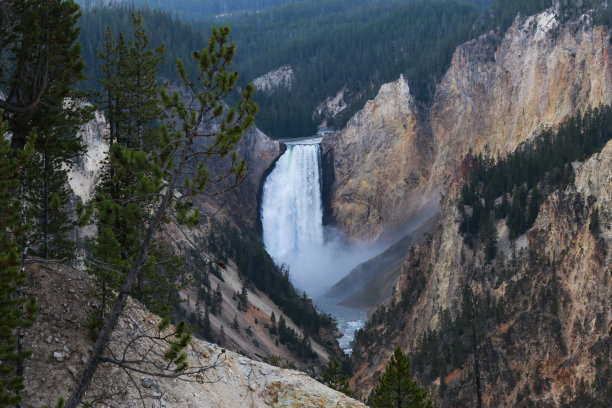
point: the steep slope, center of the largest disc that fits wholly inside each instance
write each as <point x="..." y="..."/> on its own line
<point x="238" y="205"/>
<point x="496" y="94"/>
<point x="542" y="319"/>
<point x="61" y="344"/>
<point x="380" y="163"/>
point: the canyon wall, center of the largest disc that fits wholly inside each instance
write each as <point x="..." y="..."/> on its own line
<point x="552" y="344"/>
<point x="497" y="93"/>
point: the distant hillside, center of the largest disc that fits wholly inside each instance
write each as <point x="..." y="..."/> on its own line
<point x="193" y="10"/>
<point x="334" y="47"/>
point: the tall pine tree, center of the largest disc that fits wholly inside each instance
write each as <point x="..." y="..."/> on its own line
<point x="396" y="387"/>
<point x="17" y="311"/>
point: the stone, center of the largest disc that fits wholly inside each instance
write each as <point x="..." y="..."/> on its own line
<point x="58" y="355"/>
<point x="148" y="382"/>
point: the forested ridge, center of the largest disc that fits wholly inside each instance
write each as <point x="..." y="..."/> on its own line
<point x="335" y="45"/>
<point x="193" y="10"/>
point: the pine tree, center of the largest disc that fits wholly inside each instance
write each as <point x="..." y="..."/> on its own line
<point x="17" y="311"/>
<point x="217" y="300"/>
<point x="243" y="299"/>
<point x="31" y="63"/>
<point x="594" y="222"/>
<point x="46" y="187"/>
<point x="332" y="377"/>
<point x="141" y="88"/>
<point x="134" y="109"/>
<point x="221" y="336"/>
<point x="40" y="63"/>
<point x="396" y="387"/>
<point x="206" y="330"/>
<point x="151" y="201"/>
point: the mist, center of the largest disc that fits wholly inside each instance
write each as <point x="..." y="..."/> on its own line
<point x="316" y="267"/>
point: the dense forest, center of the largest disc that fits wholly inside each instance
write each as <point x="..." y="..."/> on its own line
<point x="332" y="46"/>
<point x="193" y="10"/>
<point x="381" y="39"/>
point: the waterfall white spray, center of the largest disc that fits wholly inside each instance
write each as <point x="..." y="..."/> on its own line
<point x="292" y="221"/>
<point x="291" y="204"/>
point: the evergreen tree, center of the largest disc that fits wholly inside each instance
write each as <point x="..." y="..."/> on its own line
<point x="334" y="379"/>
<point x="594" y="222"/>
<point x="206" y="330"/>
<point x="217" y="300"/>
<point x="152" y="200"/>
<point x="58" y="145"/>
<point x="17" y="311"/>
<point x="134" y="109"/>
<point x="221" y="336"/>
<point x="38" y="51"/>
<point x="243" y="299"/>
<point x="396" y="387"/>
<point x="40" y="63"/>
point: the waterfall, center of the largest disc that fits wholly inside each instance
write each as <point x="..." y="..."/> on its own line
<point x="291" y="210"/>
<point x="292" y="221"/>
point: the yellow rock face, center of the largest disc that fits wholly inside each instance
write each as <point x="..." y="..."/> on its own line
<point x="392" y="154"/>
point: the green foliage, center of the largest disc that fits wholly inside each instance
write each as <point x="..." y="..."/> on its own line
<point x="382" y="39"/>
<point x="17" y="310"/>
<point x="333" y="377"/>
<point x="545" y="162"/>
<point x="46" y="187"/>
<point x="193" y="10"/>
<point x="60" y="403"/>
<point x="243" y="299"/>
<point x="396" y="388"/>
<point x="39" y="56"/>
<point x="450" y="346"/>
<point x="34" y="68"/>
<point x="132" y="175"/>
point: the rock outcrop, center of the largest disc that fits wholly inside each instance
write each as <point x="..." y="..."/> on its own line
<point x="86" y="171"/>
<point x="381" y="162"/>
<point x="552" y="344"/>
<point x="61" y="343"/>
<point x="260" y="152"/>
<point x="238" y="202"/>
<point x="279" y="78"/>
<point x="495" y="95"/>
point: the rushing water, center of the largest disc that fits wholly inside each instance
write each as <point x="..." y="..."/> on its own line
<point x="292" y="221"/>
<point x="291" y="213"/>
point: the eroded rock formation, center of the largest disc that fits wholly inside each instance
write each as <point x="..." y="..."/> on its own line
<point x="495" y="95"/>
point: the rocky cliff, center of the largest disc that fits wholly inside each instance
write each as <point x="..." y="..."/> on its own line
<point x="380" y="163"/>
<point x="496" y="94"/>
<point x="542" y="324"/>
<point x="260" y="152"/>
<point x="220" y="378"/>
